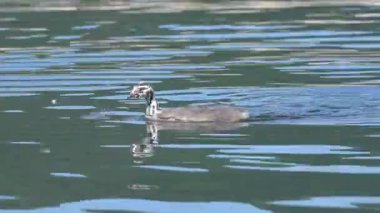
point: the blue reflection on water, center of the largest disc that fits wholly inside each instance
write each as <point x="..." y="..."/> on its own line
<point x="337" y="169"/>
<point x="142" y="205"/>
<point x="349" y="202"/>
<point x="173" y="168"/>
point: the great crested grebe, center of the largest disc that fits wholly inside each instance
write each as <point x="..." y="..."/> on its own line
<point x="186" y="114"/>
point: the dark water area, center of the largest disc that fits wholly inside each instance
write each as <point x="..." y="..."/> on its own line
<point x="71" y="140"/>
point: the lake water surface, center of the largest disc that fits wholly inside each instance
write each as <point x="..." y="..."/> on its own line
<point x="72" y="141"/>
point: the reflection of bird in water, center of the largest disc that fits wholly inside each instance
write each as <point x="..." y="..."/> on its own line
<point x="187" y="114"/>
<point x="145" y="149"/>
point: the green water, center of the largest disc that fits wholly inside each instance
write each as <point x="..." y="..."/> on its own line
<point x="72" y="141"/>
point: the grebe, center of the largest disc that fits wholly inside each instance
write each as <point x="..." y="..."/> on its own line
<point x="186" y="114"/>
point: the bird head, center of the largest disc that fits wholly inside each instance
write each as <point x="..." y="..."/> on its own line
<point x="141" y="90"/>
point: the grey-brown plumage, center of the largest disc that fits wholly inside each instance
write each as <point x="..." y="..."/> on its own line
<point x="187" y="114"/>
<point x="203" y="114"/>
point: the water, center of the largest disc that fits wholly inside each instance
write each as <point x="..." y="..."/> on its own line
<point x="72" y="141"/>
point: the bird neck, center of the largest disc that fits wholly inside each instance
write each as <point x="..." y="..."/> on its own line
<point x="149" y="96"/>
<point x="152" y="108"/>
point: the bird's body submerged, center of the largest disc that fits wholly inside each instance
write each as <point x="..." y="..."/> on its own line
<point x="187" y="114"/>
<point x="201" y="114"/>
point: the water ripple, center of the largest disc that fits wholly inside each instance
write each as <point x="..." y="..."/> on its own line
<point x="67" y="175"/>
<point x="271" y="149"/>
<point x="337" y="169"/>
<point x="178" y="27"/>
<point x="7" y="197"/>
<point x="173" y="168"/>
<point x="230" y="36"/>
<point x="345" y="202"/>
<point x="70" y="107"/>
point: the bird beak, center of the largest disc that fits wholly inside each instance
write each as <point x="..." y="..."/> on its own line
<point x="132" y="93"/>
